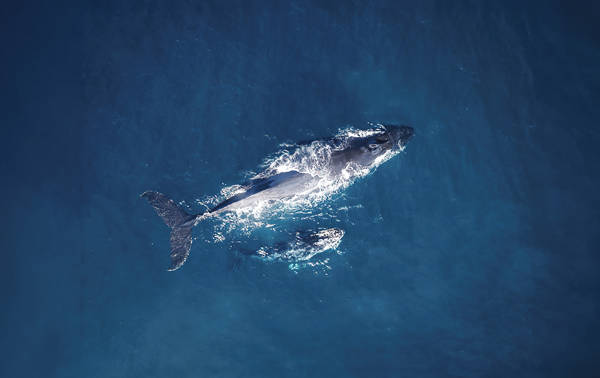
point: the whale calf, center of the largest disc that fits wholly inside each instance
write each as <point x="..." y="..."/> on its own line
<point x="303" y="246"/>
<point x="339" y="160"/>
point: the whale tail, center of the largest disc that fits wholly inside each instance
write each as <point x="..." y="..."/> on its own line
<point x="179" y="221"/>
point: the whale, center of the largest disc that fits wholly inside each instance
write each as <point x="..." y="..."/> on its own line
<point x="355" y="154"/>
<point x="303" y="246"/>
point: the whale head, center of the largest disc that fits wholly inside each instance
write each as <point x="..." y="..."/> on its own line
<point x="399" y="135"/>
<point x="365" y="151"/>
<point x="391" y="138"/>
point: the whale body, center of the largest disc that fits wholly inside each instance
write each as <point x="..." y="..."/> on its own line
<point x="343" y="157"/>
<point x="304" y="245"/>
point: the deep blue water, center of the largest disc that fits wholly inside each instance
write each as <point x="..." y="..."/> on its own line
<point x="475" y="253"/>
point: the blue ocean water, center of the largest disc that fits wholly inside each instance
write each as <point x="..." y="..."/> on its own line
<point x="474" y="253"/>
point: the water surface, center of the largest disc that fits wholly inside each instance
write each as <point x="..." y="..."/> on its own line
<point x="472" y="253"/>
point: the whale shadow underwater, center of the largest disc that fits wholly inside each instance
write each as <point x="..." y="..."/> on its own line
<point x="313" y="171"/>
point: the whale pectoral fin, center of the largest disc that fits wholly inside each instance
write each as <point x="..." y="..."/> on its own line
<point x="181" y="243"/>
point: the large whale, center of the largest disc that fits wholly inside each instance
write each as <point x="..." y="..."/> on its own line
<point x="344" y="157"/>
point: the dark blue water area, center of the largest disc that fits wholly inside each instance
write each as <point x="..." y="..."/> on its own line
<point x="474" y="253"/>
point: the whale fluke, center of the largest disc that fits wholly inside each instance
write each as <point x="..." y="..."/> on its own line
<point x="181" y="242"/>
<point x="180" y="222"/>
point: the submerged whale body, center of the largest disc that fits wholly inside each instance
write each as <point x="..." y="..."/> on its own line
<point x="340" y="159"/>
<point x="305" y="245"/>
